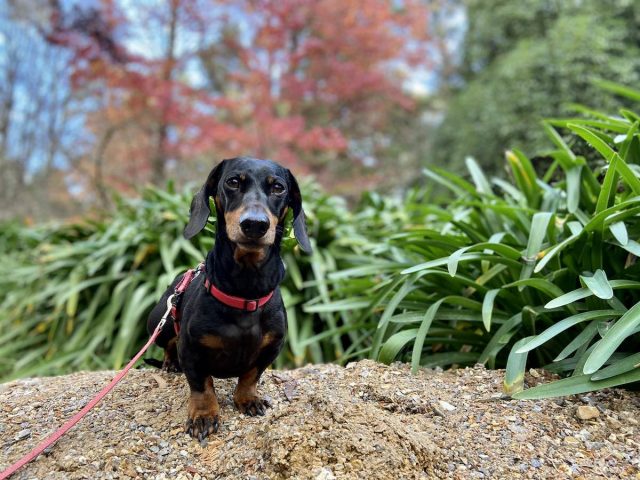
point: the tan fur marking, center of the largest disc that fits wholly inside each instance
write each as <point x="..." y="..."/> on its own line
<point x="249" y="257"/>
<point x="246" y="390"/>
<point x="204" y="404"/>
<point x="273" y="221"/>
<point x="170" y="354"/>
<point x="232" y="219"/>
<point x="284" y="214"/>
<point x="211" y="341"/>
<point x="266" y="340"/>
<point x="218" y="202"/>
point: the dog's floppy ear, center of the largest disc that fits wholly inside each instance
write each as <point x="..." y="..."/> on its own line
<point x="200" y="211"/>
<point x="299" y="221"/>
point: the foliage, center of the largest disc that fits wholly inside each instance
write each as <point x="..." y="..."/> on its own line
<point x="529" y="60"/>
<point x="538" y="270"/>
<point x="304" y="82"/>
<point x="543" y="264"/>
<point x="77" y="294"/>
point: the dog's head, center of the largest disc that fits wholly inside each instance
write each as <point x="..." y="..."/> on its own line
<point x="252" y="198"/>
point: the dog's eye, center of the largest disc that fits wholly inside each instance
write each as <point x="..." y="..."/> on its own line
<point x="277" y="189"/>
<point x="233" y="183"/>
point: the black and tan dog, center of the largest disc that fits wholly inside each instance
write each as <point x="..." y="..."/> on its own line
<point x="232" y="317"/>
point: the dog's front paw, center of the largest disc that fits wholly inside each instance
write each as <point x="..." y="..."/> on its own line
<point x="252" y="405"/>
<point x="202" y="427"/>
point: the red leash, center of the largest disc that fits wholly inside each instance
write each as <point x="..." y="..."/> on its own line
<point x="55" y="436"/>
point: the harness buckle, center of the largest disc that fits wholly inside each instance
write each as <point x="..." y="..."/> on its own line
<point x="163" y="320"/>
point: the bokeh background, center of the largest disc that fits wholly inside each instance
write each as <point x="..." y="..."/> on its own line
<point x="112" y="111"/>
<point x="103" y="97"/>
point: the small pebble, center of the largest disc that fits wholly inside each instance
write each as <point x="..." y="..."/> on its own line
<point x="446" y="406"/>
<point x="571" y="441"/>
<point x="22" y="434"/>
<point x="587" y="412"/>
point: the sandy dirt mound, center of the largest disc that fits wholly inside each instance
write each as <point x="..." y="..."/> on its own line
<point x="365" y="421"/>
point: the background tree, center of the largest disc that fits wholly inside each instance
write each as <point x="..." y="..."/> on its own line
<point x="307" y="83"/>
<point x="39" y="118"/>
<point x="524" y="61"/>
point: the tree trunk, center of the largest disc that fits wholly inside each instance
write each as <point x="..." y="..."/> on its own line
<point x="159" y="159"/>
<point x="98" y="161"/>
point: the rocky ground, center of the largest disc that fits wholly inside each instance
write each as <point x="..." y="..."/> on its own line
<point x="364" y="421"/>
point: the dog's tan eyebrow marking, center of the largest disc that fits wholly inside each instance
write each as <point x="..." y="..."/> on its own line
<point x="270" y="180"/>
<point x="243" y="177"/>
<point x="211" y="341"/>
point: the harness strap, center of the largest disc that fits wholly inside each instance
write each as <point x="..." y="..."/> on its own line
<point x="182" y="286"/>
<point x="244" y="304"/>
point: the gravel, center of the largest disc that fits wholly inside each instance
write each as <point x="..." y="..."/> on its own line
<point x="364" y="421"/>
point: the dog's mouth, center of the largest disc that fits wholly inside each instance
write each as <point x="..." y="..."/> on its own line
<point x="252" y="245"/>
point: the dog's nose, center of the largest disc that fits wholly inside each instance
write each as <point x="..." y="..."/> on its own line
<point x="254" y="225"/>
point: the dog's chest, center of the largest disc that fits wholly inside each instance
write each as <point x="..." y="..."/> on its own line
<point x="232" y="347"/>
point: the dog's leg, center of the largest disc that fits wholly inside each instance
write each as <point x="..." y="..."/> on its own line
<point x="171" y="362"/>
<point x="204" y="411"/>
<point x="246" y="397"/>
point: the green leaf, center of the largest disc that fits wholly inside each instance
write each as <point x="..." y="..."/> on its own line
<point x="525" y="175"/>
<point x="481" y="182"/>
<point x="609" y="154"/>
<point x="548" y="288"/>
<point x="573" y="188"/>
<point x="394" y="344"/>
<point x="632" y="247"/>
<point x="619" y="231"/>
<point x="552" y="133"/>
<point x="598" y="284"/>
<point x="501" y="338"/>
<point x="585" y="336"/>
<point x="618" y="89"/>
<point x="539" y="225"/>
<point x="422" y="333"/>
<point x="383" y="323"/>
<point x="487" y="307"/>
<point x="568" y="298"/>
<point x="612" y="339"/>
<point x="439" y="262"/>
<point x="454" y="259"/>
<point x="516" y="364"/>
<point x="346" y="304"/>
<point x="621" y="366"/>
<point x="576" y="232"/>
<point x="565" y="324"/>
<point x="575" y="385"/>
<point x="486" y="247"/>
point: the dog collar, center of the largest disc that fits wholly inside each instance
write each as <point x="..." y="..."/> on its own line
<point x="236" y="302"/>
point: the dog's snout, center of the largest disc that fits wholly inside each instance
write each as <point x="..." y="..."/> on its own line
<point x="254" y="224"/>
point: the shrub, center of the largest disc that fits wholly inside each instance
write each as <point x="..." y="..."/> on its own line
<point x="542" y="264"/>
<point x="541" y="269"/>
<point x="77" y="295"/>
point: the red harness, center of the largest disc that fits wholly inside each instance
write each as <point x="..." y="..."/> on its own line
<point x="240" y="303"/>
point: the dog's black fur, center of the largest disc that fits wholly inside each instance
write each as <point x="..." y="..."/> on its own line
<point x="252" y="198"/>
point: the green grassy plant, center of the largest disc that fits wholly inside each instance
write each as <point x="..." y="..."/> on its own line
<point x="543" y="265"/>
<point x="76" y="296"/>
<point x="537" y="270"/>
